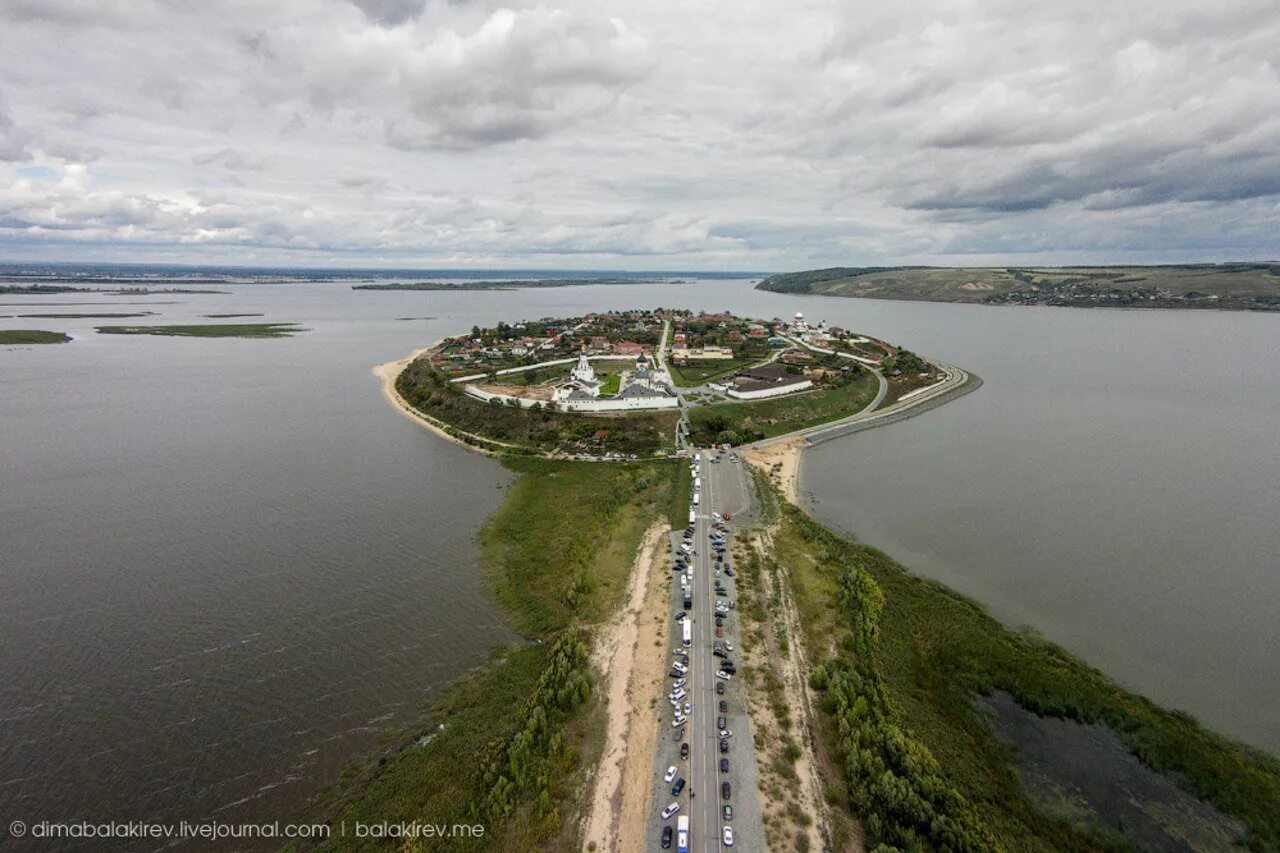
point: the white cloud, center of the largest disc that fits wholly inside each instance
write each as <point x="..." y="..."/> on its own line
<point x="762" y="135"/>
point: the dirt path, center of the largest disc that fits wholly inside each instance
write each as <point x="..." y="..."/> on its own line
<point x="629" y="653"/>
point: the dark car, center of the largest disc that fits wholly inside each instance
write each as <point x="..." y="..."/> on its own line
<point x="680" y="614"/>
<point x="677" y="788"/>
<point x="722" y="723"/>
<point x="719" y="621"/>
<point x="724" y="746"/>
<point x="724" y="765"/>
<point x="684" y="750"/>
<point x="728" y="572"/>
<point x="724" y="707"/>
<point x="666" y="837"/>
<point x="725" y="790"/>
<point x="720" y="687"/>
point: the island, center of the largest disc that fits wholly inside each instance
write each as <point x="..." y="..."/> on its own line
<point x="655" y="567"/>
<point x="17" y="337"/>
<point x="1232" y="286"/>
<point x="209" y="330"/>
<point x="619" y="385"/>
<point x="497" y="284"/>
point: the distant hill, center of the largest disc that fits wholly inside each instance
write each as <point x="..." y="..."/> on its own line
<point x="1238" y="286"/>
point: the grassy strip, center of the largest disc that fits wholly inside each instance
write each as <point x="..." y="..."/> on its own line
<point x="519" y="733"/>
<point x="642" y="433"/>
<point x="770" y="417"/>
<point x="903" y="674"/>
<point x="211" y="330"/>
<point x="695" y="373"/>
<point x="10" y="337"/>
<point x="678" y="505"/>
<point x="559" y="549"/>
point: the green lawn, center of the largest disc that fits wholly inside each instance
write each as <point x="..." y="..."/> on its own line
<point x="766" y="418"/>
<point x="696" y="373"/>
<point x="10" y="337"/>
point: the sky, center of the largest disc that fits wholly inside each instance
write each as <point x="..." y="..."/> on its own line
<point x="665" y="134"/>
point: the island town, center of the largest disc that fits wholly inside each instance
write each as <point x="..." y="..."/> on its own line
<point x="680" y="377"/>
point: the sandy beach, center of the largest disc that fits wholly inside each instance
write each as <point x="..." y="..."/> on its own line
<point x="387" y="374"/>
<point x="785" y="455"/>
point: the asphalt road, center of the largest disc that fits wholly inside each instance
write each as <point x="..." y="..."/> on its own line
<point x="724" y="489"/>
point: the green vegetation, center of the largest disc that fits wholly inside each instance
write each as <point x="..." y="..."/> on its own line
<point x="696" y="373"/>
<point x="902" y="660"/>
<point x="10" y="337"/>
<point x="1252" y="286"/>
<point x="508" y="746"/>
<point x="37" y="289"/>
<point x="560" y="547"/>
<point x="738" y="423"/>
<point x="219" y="330"/>
<point x="537" y="430"/>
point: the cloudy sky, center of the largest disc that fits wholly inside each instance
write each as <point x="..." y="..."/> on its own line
<point x="665" y="134"/>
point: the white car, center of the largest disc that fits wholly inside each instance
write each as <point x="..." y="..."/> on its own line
<point x="728" y="836"/>
<point x="677" y="722"/>
<point x="688" y="709"/>
<point x="728" y="646"/>
<point x="677" y="694"/>
<point x="671" y="774"/>
<point x="679" y="682"/>
<point x="670" y="810"/>
<point x="726" y="676"/>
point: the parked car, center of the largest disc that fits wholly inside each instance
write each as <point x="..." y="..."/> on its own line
<point x="725" y="790"/>
<point x="724" y="765"/>
<point x="677" y="787"/>
<point x="671" y="774"/>
<point x="724" y="706"/>
<point x="719" y="631"/>
<point x="728" y="812"/>
<point x="722" y="723"/>
<point x="720" y="687"/>
<point x="684" y="750"/>
<point x="670" y="810"/>
<point x="728" y="834"/>
<point x="728" y="571"/>
<point x="724" y="746"/>
<point x="680" y="614"/>
<point x="666" y="837"/>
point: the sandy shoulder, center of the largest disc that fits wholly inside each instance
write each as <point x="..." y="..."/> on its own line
<point x="628" y="652"/>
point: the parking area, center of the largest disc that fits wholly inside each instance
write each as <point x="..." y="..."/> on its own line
<point x="704" y="765"/>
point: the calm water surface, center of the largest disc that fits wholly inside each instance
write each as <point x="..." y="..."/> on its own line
<point x="227" y="566"/>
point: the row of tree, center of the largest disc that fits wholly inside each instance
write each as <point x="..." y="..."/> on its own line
<point x="897" y="787"/>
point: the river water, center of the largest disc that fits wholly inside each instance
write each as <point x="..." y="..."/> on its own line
<point x="226" y="566"/>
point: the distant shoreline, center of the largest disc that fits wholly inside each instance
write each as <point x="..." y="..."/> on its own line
<point x="1219" y="287"/>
